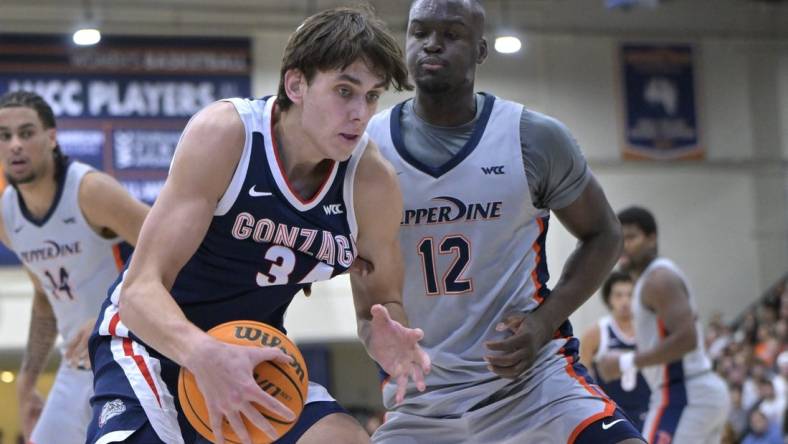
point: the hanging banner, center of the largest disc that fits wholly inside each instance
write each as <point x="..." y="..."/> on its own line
<point x="659" y="103"/>
<point x="121" y="105"/>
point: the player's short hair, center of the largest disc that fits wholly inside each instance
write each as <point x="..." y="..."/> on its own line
<point x="28" y="99"/>
<point x="614" y="278"/>
<point x="639" y="217"/>
<point x="337" y="38"/>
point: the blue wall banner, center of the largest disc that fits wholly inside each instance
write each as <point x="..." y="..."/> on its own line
<point x="121" y="105"/>
<point x="660" y="110"/>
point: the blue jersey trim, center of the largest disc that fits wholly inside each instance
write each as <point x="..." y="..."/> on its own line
<point x="467" y="149"/>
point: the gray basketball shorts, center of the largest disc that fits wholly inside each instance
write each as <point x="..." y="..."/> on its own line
<point x="554" y="402"/>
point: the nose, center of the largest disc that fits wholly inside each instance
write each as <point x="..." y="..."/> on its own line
<point x="433" y="44"/>
<point x="359" y="109"/>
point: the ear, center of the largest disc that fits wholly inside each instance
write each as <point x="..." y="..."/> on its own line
<point x="295" y="85"/>
<point x="482" y="51"/>
<point x="52" y="136"/>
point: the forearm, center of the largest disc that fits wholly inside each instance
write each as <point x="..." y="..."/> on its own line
<point x="583" y="272"/>
<point x="148" y="310"/>
<point x="672" y="348"/>
<point x="40" y="339"/>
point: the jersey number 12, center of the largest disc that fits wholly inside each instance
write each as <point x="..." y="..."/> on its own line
<point x="452" y="283"/>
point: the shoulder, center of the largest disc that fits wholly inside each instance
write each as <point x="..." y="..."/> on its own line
<point x="543" y="130"/>
<point x="592" y="334"/>
<point x="375" y="175"/>
<point x="663" y="279"/>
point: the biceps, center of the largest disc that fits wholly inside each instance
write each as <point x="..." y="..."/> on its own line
<point x="170" y="235"/>
<point x="589" y="213"/>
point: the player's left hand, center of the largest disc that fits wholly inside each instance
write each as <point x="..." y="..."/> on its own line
<point x="396" y="348"/>
<point x="76" y="354"/>
<point x="519" y="351"/>
<point x="607" y="366"/>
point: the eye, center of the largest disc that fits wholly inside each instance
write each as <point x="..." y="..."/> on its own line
<point x="418" y="33"/>
<point x="344" y="92"/>
<point x="451" y="35"/>
<point x="26" y="134"/>
<point x="5" y="136"/>
<point x="373" y="97"/>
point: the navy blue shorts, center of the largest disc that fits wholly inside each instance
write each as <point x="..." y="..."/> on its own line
<point x="611" y="429"/>
<point x="135" y="399"/>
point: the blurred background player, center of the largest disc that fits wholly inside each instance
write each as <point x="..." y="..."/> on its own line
<point x="65" y="221"/>
<point x="479" y="177"/>
<point x="689" y="403"/>
<point x="617" y="332"/>
<point x="296" y="194"/>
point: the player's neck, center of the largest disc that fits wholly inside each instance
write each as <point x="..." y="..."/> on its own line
<point x="39" y="195"/>
<point x="452" y="108"/>
<point x="297" y="152"/>
<point x="626" y="326"/>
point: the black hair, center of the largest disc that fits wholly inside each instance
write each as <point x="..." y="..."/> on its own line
<point x="614" y="278"/>
<point x="639" y="217"/>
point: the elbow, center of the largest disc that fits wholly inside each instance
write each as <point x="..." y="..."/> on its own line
<point x="689" y="340"/>
<point x="128" y="303"/>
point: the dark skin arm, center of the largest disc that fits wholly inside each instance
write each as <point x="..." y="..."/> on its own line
<point x="591" y="220"/>
<point x="664" y="293"/>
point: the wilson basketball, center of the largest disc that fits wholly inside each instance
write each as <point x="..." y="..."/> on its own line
<point x="286" y="382"/>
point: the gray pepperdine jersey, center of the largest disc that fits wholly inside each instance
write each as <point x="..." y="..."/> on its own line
<point x="473" y="244"/>
<point x="74" y="264"/>
<point x="650" y="331"/>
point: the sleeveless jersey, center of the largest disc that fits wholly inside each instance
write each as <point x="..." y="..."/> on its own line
<point x="265" y="243"/>
<point x="473" y="243"/>
<point x="74" y="264"/>
<point x="650" y="331"/>
<point x="634" y="402"/>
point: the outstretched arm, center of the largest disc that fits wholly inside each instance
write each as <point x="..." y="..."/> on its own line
<point x="377" y="293"/>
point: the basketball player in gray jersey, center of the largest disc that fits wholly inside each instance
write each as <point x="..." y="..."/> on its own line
<point x="479" y="176"/>
<point x="65" y="222"/>
<point x="689" y="403"/>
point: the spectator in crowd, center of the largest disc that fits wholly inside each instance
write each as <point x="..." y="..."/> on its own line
<point x="761" y="431"/>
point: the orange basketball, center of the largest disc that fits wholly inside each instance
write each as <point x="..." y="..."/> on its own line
<point x="286" y="383"/>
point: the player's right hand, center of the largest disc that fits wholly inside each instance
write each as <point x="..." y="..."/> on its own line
<point x="30" y="406"/>
<point x="224" y="375"/>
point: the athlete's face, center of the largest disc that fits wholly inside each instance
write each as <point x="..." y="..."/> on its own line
<point x="444" y="44"/>
<point x="638" y="247"/>
<point x="25" y="145"/>
<point x="621" y="300"/>
<point x="337" y="105"/>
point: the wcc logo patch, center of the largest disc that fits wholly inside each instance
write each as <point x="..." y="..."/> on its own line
<point x="111" y="410"/>
<point x="497" y="170"/>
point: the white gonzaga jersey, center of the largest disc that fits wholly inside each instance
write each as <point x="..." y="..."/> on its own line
<point x="650" y="331"/>
<point x="74" y="264"/>
<point x="472" y="240"/>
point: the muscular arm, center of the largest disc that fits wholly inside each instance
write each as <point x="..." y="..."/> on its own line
<point x="378" y="206"/>
<point x="176" y="225"/>
<point x="590" y="219"/>
<point x="40" y="339"/>
<point x="589" y="345"/>
<point x="107" y="206"/>
<point x="665" y="294"/>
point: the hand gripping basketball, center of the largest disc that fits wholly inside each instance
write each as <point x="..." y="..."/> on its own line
<point x="282" y="376"/>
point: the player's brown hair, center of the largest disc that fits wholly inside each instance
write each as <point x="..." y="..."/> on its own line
<point x="335" y="39"/>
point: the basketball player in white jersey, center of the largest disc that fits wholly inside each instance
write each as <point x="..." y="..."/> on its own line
<point x="65" y="222"/>
<point x="616" y="331"/>
<point x="479" y="176"/>
<point x="689" y="402"/>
